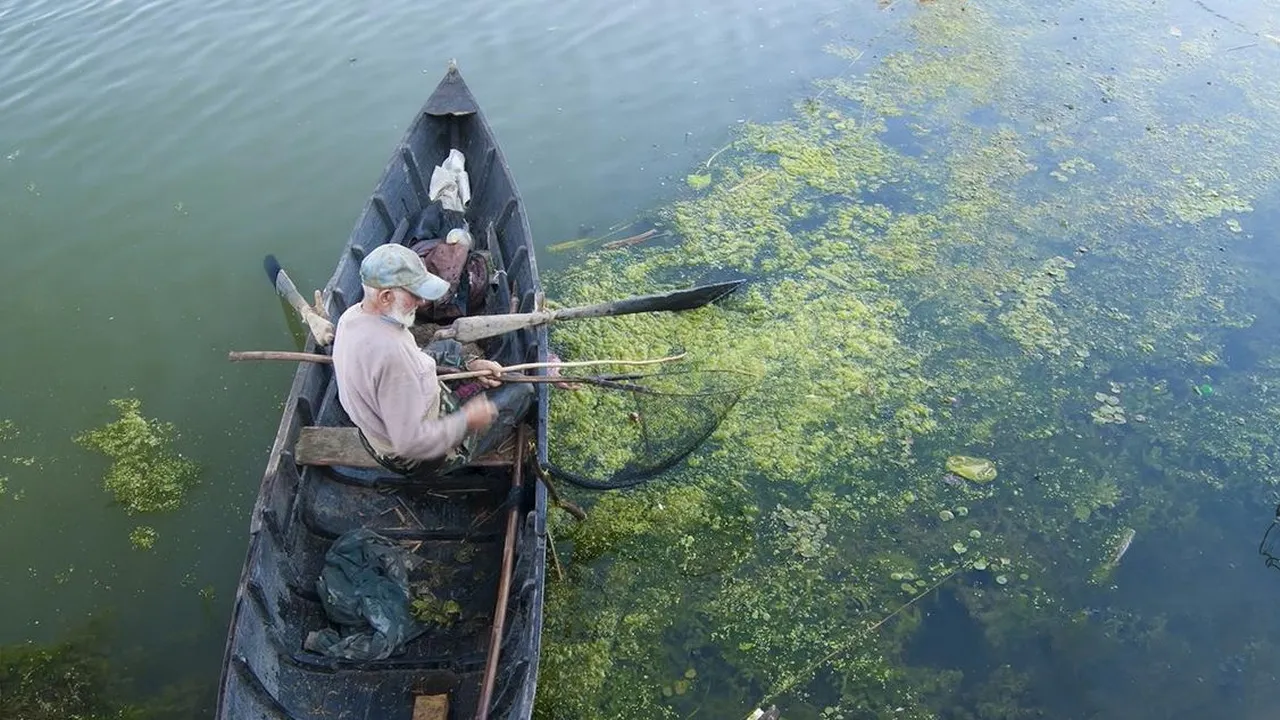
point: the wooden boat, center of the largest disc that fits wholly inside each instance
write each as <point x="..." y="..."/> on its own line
<point x="458" y="526"/>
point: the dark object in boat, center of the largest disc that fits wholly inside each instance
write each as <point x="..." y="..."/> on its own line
<point x="1269" y="546"/>
<point x="454" y="527"/>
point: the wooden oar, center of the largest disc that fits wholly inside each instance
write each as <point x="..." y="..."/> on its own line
<point x="478" y="327"/>
<point x="321" y="328"/>
<point x="504" y="584"/>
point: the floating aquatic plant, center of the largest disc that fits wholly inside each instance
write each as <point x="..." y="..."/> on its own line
<point x="955" y="295"/>
<point x="143" y="537"/>
<point x="979" y="470"/>
<point x="69" y="679"/>
<point x="699" y="181"/>
<point x="146" y="473"/>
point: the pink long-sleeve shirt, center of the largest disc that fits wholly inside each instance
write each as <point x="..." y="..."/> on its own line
<point x="389" y="388"/>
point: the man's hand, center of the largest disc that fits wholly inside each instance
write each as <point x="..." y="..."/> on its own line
<point x="487" y="380"/>
<point x="480" y="413"/>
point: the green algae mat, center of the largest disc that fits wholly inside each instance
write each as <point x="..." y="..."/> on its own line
<point x="959" y="244"/>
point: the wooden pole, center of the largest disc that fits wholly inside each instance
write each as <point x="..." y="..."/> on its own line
<point x="237" y="356"/>
<point x="240" y="355"/>
<point x="504" y="586"/>
<point x="577" y="363"/>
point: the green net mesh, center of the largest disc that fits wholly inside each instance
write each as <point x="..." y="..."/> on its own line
<point x="622" y="430"/>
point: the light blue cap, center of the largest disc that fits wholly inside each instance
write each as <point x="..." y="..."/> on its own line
<point x="396" y="266"/>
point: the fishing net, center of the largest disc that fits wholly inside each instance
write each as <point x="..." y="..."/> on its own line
<point x="1269" y="547"/>
<point x="622" y="430"/>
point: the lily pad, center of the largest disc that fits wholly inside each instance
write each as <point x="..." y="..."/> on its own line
<point x="698" y="182"/>
<point x="946" y="515"/>
<point x="979" y="470"/>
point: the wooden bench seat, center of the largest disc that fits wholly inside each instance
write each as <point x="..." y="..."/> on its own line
<point x="319" y="445"/>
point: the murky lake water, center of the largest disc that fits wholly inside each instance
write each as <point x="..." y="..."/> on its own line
<point x="151" y="153"/>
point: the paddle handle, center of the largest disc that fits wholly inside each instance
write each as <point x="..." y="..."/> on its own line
<point x="479" y="327"/>
<point x="321" y="329"/>
<point x="241" y="355"/>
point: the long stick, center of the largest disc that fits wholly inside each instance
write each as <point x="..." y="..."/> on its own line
<point x="576" y="363"/>
<point x="240" y="355"/>
<point x="566" y="505"/>
<point x="845" y="647"/>
<point x="504" y="585"/>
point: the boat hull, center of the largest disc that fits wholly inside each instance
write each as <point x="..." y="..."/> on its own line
<point x="454" y="527"/>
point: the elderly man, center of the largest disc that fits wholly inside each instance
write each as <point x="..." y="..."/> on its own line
<point x="388" y="385"/>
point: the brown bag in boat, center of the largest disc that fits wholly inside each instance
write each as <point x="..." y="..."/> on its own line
<point x="466" y="272"/>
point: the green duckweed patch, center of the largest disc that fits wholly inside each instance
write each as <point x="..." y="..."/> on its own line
<point x="70" y="679"/>
<point x="1046" y="228"/>
<point x="146" y="474"/>
<point x="143" y="537"/>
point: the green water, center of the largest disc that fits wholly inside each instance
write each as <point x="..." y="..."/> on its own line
<point x="151" y="153"/>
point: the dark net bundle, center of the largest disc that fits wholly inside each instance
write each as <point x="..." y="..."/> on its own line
<point x="1269" y="546"/>
<point x="622" y="430"/>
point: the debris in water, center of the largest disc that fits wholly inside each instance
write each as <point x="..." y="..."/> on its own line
<point x="1123" y="546"/>
<point x="979" y="470"/>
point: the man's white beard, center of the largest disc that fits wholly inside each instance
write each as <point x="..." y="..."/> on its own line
<point x="405" y="317"/>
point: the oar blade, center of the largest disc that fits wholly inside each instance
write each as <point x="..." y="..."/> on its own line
<point x="272" y="266"/>
<point x="674" y="301"/>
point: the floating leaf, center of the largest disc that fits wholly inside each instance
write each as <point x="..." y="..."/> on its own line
<point x="979" y="470"/>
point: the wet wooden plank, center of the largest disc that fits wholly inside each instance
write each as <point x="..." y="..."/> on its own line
<point x="341" y="446"/>
<point x="431" y="707"/>
<point x="332" y="446"/>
